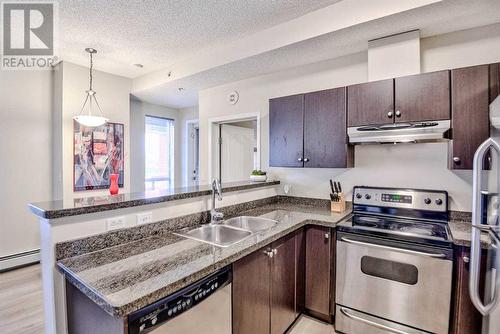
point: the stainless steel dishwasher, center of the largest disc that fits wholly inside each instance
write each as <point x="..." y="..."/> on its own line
<point x="202" y="307"/>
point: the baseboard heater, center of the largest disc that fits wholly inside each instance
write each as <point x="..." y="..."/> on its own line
<point x="13" y="261"/>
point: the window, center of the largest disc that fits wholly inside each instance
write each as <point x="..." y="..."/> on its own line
<point x="159" y="151"/>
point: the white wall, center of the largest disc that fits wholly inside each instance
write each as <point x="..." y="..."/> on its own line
<point x="113" y="96"/>
<point x="25" y="151"/>
<point x="420" y="166"/>
<point x="138" y="111"/>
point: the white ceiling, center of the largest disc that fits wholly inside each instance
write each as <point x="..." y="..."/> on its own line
<point x="439" y="18"/>
<point x="185" y="35"/>
<point x="159" y="33"/>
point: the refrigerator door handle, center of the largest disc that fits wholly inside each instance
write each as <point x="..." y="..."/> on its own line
<point x="475" y="258"/>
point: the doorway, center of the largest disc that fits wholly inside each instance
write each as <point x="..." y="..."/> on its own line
<point x="192" y="172"/>
<point x="159" y="153"/>
<point x="234" y="147"/>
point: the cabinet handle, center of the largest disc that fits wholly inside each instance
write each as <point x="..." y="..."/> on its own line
<point x="306" y="159"/>
<point x="327" y="235"/>
<point x="275" y="251"/>
<point x="300" y="159"/>
<point x="389" y="114"/>
<point x="269" y="253"/>
<point x="456" y="160"/>
<point x="466" y="259"/>
<point x="398" y="113"/>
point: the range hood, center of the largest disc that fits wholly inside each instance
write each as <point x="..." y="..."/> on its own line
<point x="412" y="132"/>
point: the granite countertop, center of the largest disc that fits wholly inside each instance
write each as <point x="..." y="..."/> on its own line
<point x="80" y="206"/>
<point x="127" y="277"/>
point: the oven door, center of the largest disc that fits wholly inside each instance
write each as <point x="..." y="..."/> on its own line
<point x="400" y="282"/>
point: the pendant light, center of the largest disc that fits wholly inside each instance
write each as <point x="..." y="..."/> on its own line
<point x="86" y="116"/>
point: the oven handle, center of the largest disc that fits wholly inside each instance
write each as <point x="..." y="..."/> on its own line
<point x="400" y="250"/>
<point x="371" y="323"/>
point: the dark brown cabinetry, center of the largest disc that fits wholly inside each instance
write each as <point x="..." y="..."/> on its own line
<point x="264" y="285"/>
<point x="470" y="107"/>
<point x="319" y="272"/>
<point x="494" y="81"/>
<point x="309" y="130"/>
<point x="325" y="141"/>
<point x="286" y="126"/>
<point x="422" y="97"/>
<point x="370" y="103"/>
<point x="465" y="318"/>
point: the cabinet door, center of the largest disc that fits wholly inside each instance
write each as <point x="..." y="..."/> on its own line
<point x="300" y="277"/>
<point x="370" y="103"/>
<point x="494" y="81"/>
<point x="470" y="108"/>
<point x="318" y="270"/>
<point x="251" y="291"/>
<point x="286" y="127"/>
<point x="466" y="319"/>
<point x="325" y="133"/>
<point x="423" y="97"/>
<point x="282" y="285"/>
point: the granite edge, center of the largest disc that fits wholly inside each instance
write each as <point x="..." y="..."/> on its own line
<point x="54" y="214"/>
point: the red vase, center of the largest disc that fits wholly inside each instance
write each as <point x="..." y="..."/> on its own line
<point x="113" y="187"/>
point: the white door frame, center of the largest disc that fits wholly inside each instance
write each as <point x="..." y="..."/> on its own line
<point x="231" y="119"/>
<point x="187" y="168"/>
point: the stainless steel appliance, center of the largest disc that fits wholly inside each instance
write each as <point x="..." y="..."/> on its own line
<point x="485" y="222"/>
<point x="413" y="132"/>
<point x="394" y="263"/>
<point x="203" y="307"/>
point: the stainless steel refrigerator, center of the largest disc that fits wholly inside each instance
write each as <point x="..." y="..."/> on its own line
<point x="486" y="226"/>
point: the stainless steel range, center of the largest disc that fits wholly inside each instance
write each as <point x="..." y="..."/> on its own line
<point x="394" y="263"/>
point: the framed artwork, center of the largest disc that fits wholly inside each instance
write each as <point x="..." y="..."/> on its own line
<point x="97" y="153"/>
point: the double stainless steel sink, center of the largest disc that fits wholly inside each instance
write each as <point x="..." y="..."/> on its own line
<point x="229" y="232"/>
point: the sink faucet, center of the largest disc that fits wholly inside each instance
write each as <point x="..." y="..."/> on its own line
<point x="216" y="216"/>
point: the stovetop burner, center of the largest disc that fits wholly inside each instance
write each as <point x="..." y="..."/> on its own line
<point x="397" y="228"/>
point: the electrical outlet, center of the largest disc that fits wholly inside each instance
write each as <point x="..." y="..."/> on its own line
<point x="144" y="218"/>
<point x="115" y="223"/>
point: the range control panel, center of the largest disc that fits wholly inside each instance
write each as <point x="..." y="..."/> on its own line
<point x="429" y="200"/>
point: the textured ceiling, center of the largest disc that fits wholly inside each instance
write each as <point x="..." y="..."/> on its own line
<point x="440" y="18"/>
<point x="159" y="33"/>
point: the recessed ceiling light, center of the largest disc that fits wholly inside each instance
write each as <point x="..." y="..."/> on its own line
<point x="138" y="65"/>
<point x="180" y="89"/>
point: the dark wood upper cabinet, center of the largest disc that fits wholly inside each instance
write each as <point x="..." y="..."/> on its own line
<point x="286" y="125"/>
<point x="470" y="113"/>
<point x="422" y="97"/>
<point x="318" y="271"/>
<point x="325" y="135"/>
<point x="370" y="103"/>
<point x="494" y="81"/>
<point x="309" y="130"/>
<point x="251" y="293"/>
<point x="283" y="285"/>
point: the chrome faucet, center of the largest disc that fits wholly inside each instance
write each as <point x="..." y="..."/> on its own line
<point x="216" y="216"/>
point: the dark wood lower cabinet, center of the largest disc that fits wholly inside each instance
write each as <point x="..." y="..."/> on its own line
<point x="465" y="318"/>
<point x="251" y="293"/>
<point x="318" y="289"/>
<point x="264" y="289"/>
<point x="283" y="285"/>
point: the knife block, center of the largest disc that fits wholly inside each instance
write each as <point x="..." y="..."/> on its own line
<point x="340" y="205"/>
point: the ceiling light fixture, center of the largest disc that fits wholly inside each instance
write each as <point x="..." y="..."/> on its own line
<point x="180" y="89"/>
<point x="138" y="65"/>
<point x="87" y="118"/>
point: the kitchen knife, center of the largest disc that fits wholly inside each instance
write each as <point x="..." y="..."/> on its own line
<point x="339" y="187"/>
<point x="331" y="186"/>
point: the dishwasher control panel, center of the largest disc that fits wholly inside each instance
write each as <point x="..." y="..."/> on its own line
<point x="149" y="317"/>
